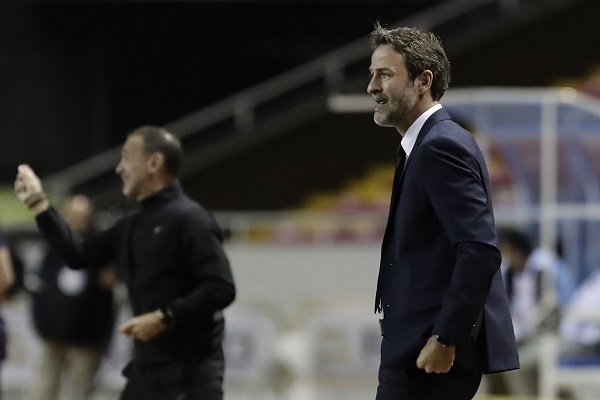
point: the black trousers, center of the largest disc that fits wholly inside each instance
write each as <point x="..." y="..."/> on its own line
<point x="198" y="379"/>
<point x="416" y="384"/>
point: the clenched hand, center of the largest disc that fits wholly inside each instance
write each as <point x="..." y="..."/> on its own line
<point x="435" y="357"/>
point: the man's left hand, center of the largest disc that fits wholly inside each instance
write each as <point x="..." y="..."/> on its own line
<point x="435" y="357"/>
<point x="143" y="327"/>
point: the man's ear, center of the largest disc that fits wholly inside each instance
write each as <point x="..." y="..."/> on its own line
<point x="425" y="81"/>
<point x="156" y="162"/>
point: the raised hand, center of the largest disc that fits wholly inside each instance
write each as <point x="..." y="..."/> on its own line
<point x="28" y="188"/>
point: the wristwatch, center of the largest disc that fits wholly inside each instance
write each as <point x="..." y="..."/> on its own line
<point x="443" y="341"/>
<point x="166" y="316"/>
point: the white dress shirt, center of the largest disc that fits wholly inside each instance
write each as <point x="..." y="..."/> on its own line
<point x="410" y="137"/>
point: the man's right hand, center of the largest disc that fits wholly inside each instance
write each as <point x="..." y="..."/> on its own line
<point x="28" y="189"/>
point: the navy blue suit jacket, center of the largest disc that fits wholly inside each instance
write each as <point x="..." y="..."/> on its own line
<point x="440" y="263"/>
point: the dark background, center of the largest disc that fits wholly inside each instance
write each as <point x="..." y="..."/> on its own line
<point x="77" y="76"/>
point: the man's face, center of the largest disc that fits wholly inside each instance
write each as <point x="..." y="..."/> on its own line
<point x="78" y="213"/>
<point x="134" y="168"/>
<point x="395" y="94"/>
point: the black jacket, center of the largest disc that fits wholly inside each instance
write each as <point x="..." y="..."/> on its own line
<point x="170" y="254"/>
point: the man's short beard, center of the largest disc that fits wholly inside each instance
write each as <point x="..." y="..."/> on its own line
<point x="382" y="120"/>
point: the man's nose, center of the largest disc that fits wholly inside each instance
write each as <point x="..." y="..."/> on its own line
<point x="373" y="86"/>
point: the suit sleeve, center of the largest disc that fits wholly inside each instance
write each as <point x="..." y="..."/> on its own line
<point x="456" y="184"/>
<point x="205" y="257"/>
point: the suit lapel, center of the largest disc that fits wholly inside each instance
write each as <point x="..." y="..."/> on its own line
<point x="439" y="115"/>
<point x="436" y="117"/>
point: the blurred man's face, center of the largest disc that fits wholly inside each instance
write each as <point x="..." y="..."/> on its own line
<point x="133" y="168"/>
<point x="78" y="213"/>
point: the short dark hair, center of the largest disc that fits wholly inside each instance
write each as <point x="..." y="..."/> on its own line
<point x="516" y="239"/>
<point x="420" y="50"/>
<point x="159" y="140"/>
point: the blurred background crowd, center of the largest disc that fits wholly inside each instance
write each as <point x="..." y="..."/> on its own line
<point x="269" y="100"/>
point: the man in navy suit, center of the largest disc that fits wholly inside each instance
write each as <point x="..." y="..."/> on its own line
<point x="446" y="319"/>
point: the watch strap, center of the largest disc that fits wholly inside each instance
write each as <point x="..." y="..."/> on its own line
<point x="443" y="341"/>
<point x="166" y="316"/>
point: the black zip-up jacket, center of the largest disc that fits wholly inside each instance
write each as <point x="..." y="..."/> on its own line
<point x="170" y="254"/>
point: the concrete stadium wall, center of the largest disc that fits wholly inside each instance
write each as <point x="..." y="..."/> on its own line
<point x="292" y="275"/>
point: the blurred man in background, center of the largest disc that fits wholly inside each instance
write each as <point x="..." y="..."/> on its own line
<point x="538" y="285"/>
<point x="73" y="314"/>
<point x="7" y="280"/>
<point x="170" y="255"/>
